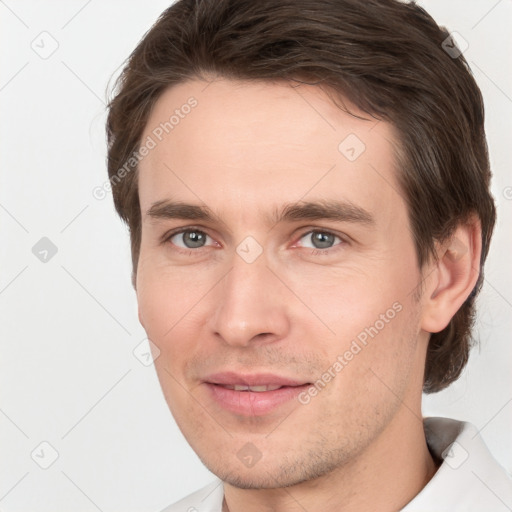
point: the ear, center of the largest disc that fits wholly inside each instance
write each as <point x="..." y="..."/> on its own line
<point x="453" y="276"/>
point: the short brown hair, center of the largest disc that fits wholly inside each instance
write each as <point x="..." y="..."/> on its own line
<point x="385" y="56"/>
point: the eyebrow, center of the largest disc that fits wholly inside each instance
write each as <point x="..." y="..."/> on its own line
<point x="340" y="211"/>
<point x="176" y="210"/>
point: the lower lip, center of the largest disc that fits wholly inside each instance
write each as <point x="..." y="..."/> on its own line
<point x="253" y="403"/>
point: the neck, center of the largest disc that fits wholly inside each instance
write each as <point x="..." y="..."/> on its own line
<point x="385" y="477"/>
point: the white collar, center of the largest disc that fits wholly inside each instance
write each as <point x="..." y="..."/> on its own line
<point x="469" y="479"/>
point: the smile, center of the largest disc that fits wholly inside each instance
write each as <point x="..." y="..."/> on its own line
<point x="252" y="395"/>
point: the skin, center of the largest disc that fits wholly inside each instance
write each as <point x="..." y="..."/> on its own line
<point x="245" y="151"/>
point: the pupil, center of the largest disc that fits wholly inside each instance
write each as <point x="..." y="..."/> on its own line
<point x="193" y="239"/>
<point x="322" y="240"/>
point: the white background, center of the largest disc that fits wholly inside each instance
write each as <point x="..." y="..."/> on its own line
<point x="69" y="326"/>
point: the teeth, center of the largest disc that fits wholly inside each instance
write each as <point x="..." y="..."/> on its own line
<point x="258" y="389"/>
<point x="263" y="388"/>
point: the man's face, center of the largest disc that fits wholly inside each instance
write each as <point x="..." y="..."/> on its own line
<point x="276" y="253"/>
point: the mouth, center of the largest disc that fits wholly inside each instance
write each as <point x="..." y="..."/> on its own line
<point x="252" y="395"/>
<point x="257" y="389"/>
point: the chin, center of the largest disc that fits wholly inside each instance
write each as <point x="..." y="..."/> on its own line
<point x="278" y="474"/>
<point x="260" y="480"/>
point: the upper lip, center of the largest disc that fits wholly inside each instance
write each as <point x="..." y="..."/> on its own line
<point x="256" y="379"/>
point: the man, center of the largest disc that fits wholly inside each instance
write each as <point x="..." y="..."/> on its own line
<point x="306" y="185"/>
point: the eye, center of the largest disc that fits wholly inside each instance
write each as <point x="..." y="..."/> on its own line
<point x="319" y="240"/>
<point x="190" y="239"/>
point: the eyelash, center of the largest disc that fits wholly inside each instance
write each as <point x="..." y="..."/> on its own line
<point x="167" y="239"/>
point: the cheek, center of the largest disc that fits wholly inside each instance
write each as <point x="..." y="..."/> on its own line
<point x="155" y="305"/>
<point x="381" y="357"/>
<point x="165" y="297"/>
<point x="350" y="300"/>
<point x="165" y="311"/>
<point x="173" y="306"/>
<point x="372" y="317"/>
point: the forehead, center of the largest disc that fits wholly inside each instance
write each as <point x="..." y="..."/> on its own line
<point x="258" y="143"/>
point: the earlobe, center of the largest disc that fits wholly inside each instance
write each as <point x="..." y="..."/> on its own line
<point x="453" y="276"/>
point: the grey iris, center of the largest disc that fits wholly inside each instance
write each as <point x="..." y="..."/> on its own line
<point x="322" y="240"/>
<point x="193" y="239"/>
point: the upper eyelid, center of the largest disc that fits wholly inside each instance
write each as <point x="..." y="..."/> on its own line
<point x="173" y="232"/>
<point x="325" y="231"/>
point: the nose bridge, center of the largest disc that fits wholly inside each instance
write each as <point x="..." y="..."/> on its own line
<point x="249" y="303"/>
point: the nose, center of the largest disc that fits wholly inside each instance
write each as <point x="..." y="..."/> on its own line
<point x="250" y="305"/>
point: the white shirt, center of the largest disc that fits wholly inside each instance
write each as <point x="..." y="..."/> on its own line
<point x="468" y="480"/>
